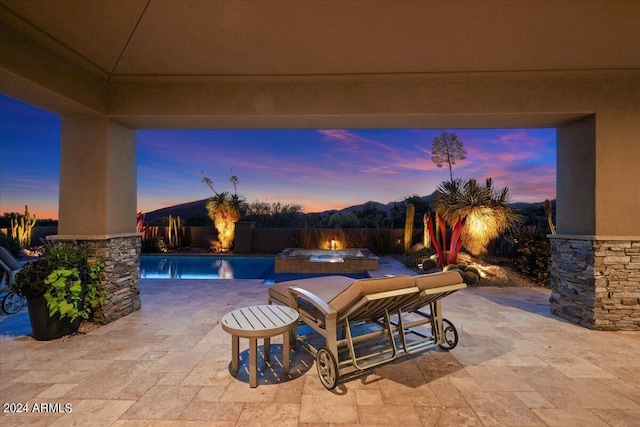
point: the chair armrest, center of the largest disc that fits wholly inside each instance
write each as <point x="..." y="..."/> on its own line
<point x="443" y="289"/>
<point x="295" y="293"/>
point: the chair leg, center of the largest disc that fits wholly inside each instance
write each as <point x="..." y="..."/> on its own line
<point x="436" y="311"/>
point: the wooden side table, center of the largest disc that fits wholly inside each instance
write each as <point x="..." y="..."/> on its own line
<point x="254" y="322"/>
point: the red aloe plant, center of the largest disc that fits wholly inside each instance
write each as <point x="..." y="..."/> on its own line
<point x="434" y="239"/>
<point x="456" y="241"/>
<point x="140" y="227"/>
<point x="455" y="244"/>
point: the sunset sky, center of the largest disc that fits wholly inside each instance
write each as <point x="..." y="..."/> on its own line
<point x="318" y="169"/>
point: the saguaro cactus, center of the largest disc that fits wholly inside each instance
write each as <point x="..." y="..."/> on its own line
<point x="408" y="227"/>
<point x="174" y="233"/>
<point x="22" y="226"/>
<point x="548" y="212"/>
<point x="426" y="237"/>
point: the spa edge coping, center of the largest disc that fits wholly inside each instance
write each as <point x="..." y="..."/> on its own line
<point x="593" y="237"/>
<point x="365" y="253"/>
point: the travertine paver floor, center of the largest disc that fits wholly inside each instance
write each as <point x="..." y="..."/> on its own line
<point x="168" y="365"/>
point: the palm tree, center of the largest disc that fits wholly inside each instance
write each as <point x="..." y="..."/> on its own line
<point x="486" y="211"/>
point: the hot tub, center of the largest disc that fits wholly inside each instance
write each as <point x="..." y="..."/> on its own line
<point x="295" y="260"/>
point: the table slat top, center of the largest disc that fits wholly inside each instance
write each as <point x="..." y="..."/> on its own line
<point x="259" y="320"/>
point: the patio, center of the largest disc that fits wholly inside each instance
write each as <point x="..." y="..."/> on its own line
<point x="168" y="365"/>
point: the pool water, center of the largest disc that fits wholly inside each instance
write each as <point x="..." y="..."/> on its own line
<point x="206" y="267"/>
<point x="218" y="267"/>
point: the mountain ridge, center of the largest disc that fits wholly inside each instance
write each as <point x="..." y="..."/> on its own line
<point x="199" y="207"/>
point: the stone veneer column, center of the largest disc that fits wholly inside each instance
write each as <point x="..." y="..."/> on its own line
<point x="596" y="281"/>
<point x="121" y="279"/>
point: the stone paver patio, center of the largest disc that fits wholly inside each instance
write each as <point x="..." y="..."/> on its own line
<point x="168" y="365"/>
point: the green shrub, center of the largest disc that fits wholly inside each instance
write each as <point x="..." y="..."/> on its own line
<point x="151" y="246"/>
<point x="532" y="254"/>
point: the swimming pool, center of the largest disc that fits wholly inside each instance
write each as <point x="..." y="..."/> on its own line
<point x="218" y="267"/>
<point x="205" y="267"/>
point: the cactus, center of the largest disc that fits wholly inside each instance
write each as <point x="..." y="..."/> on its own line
<point x="426" y="237"/>
<point x="408" y="227"/>
<point x="470" y="275"/>
<point x="174" y="232"/>
<point x="547" y="211"/>
<point x="472" y="270"/>
<point x="428" y="264"/>
<point x="470" y="278"/>
<point x="22" y="226"/>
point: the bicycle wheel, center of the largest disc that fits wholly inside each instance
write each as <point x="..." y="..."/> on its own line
<point x="12" y="303"/>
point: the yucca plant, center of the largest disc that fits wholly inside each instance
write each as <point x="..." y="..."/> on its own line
<point x="485" y="210"/>
<point x="225" y="209"/>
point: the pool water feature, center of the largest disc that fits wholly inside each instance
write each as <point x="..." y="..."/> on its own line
<point x="343" y="261"/>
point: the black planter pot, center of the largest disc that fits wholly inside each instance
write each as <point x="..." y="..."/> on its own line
<point x="47" y="328"/>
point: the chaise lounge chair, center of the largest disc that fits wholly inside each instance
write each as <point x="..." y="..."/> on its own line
<point x="359" y="324"/>
<point x="10" y="267"/>
<point x="11" y="302"/>
<point x="422" y="329"/>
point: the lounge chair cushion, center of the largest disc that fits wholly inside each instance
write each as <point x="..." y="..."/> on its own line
<point x="436" y="280"/>
<point x="9" y="260"/>
<point x="326" y="287"/>
<point x="362" y="287"/>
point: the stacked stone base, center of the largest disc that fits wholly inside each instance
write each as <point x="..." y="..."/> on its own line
<point x="121" y="279"/>
<point x="596" y="282"/>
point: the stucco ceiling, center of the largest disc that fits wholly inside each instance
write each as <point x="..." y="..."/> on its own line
<point x="125" y="39"/>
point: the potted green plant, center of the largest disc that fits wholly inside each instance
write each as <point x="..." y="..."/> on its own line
<point x="62" y="288"/>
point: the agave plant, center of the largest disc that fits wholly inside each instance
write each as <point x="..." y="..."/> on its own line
<point x="485" y="211"/>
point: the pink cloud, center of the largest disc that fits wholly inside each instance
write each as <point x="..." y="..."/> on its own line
<point x="355" y="141"/>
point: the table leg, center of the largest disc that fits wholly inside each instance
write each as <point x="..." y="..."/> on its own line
<point x="293" y="336"/>
<point x="235" y="353"/>
<point x="253" y="362"/>
<point x="267" y="348"/>
<point x="286" y="350"/>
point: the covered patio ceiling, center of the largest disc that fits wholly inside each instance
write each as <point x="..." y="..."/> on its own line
<point x="162" y="39"/>
<point x="99" y="55"/>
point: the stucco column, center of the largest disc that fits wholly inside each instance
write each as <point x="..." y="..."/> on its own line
<point x="595" y="272"/>
<point x="97" y="206"/>
<point x="97" y="177"/>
